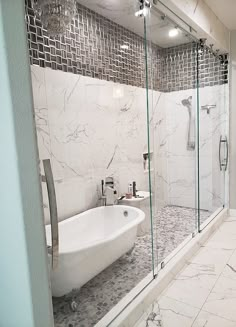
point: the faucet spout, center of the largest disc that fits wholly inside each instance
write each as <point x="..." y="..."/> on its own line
<point x="109" y="193"/>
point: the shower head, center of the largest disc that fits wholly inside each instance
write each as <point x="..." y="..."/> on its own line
<point x="187" y="102"/>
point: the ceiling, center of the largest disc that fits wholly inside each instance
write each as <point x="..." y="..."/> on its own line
<point x="122" y="12"/>
<point x="225" y="10"/>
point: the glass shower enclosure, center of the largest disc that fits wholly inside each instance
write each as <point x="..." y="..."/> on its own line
<point x="172" y="106"/>
<point x="187" y="89"/>
<point x="130" y="98"/>
<point x="213" y="132"/>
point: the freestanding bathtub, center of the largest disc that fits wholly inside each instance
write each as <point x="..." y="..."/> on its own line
<point x="91" y="241"/>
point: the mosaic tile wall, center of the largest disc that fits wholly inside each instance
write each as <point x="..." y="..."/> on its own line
<point x="92" y="47"/>
<point x="179" y="68"/>
<point x="212" y="71"/>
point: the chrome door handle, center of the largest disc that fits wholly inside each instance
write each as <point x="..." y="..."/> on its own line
<point x="227" y="153"/>
<point x="223" y="162"/>
<point x="54" y="249"/>
<point x="220" y="161"/>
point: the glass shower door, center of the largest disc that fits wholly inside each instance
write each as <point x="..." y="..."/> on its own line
<point x="213" y="134"/>
<point x="91" y="119"/>
<point x="172" y="115"/>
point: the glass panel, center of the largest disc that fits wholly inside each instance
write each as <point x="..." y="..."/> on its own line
<point x="213" y="140"/>
<point x="91" y="117"/>
<point x="151" y="52"/>
<point x="172" y="108"/>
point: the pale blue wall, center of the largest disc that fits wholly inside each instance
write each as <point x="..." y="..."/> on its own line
<point x="25" y="299"/>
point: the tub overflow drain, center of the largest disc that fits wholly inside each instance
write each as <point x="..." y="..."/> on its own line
<point x="126" y="213"/>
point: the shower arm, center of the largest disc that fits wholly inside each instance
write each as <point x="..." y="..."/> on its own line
<point x="48" y="178"/>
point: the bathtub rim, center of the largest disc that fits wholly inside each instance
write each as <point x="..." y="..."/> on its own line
<point x="135" y="222"/>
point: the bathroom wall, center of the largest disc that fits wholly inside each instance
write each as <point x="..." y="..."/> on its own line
<point x="176" y="173"/>
<point x="175" y="180"/>
<point x="90" y="110"/>
<point x="90" y="129"/>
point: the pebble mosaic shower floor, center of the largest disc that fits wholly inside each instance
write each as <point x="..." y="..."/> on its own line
<point x="104" y="291"/>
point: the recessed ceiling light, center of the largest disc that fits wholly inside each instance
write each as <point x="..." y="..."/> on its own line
<point x="173" y="32"/>
<point x="124" y="46"/>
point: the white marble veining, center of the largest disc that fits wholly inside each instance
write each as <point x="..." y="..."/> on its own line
<point x="91" y="128"/>
<point x="88" y="128"/>
<point x="206" y="319"/>
<point x="166" y="311"/>
<point x="175" y="168"/>
<point x="204" y="292"/>
<point x="222" y="300"/>
<point x="197" y="280"/>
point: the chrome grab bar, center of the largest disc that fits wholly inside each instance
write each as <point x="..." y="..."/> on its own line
<point x="48" y="178"/>
<point x="223" y="162"/>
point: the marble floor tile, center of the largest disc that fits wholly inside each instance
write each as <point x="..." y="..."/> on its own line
<point x="230" y="268"/>
<point x="228" y="228"/>
<point x="214" y="258"/>
<point x="207" y="283"/>
<point x="193" y="285"/>
<point x="206" y="319"/>
<point x="222" y="300"/>
<point x="219" y="241"/>
<point x="170" y="313"/>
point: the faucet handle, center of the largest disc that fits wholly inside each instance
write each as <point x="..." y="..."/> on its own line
<point x="109" y="181"/>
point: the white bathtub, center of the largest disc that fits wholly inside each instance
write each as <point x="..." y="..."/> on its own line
<point x="90" y="242"/>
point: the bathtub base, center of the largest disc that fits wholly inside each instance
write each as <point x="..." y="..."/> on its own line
<point x="81" y="267"/>
<point x="90" y="242"/>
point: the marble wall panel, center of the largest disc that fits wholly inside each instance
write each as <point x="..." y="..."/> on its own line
<point x="92" y="128"/>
